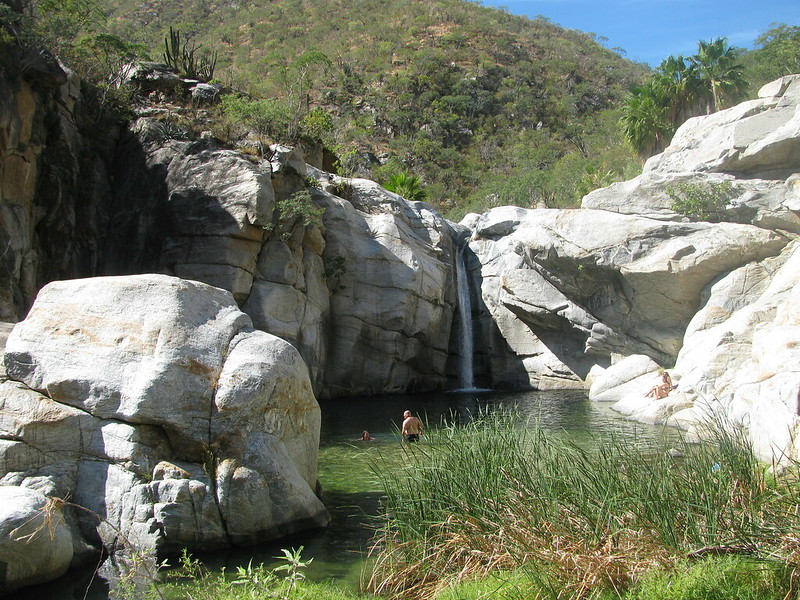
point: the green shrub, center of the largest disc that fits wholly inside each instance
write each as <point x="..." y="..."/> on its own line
<point x="335" y="268"/>
<point x="295" y="211"/>
<point x="266" y="118"/>
<point x="317" y="125"/>
<point x="704" y="202"/>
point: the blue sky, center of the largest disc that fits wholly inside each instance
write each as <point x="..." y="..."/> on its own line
<point x="651" y="30"/>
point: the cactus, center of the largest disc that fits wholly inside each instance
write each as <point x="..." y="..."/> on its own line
<point x="183" y="56"/>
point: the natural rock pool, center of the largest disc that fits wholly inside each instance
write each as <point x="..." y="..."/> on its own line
<point x="351" y="486"/>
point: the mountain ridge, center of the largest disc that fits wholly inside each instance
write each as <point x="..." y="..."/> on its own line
<point x="451" y="90"/>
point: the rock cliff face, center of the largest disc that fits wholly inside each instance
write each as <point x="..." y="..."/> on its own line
<point x="571" y="289"/>
<point x="151" y="401"/>
<point x="738" y="355"/>
<point x="610" y="294"/>
<point x="365" y="294"/>
<point x="53" y="179"/>
<point x="392" y="303"/>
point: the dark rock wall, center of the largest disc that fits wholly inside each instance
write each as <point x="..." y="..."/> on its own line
<point x="55" y="151"/>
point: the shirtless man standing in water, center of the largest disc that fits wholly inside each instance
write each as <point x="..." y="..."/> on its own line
<point x="412" y="427"/>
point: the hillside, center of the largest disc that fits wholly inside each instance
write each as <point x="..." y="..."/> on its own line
<point x="484" y="106"/>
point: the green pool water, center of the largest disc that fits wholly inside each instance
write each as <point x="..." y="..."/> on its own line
<point x="351" y="485"/>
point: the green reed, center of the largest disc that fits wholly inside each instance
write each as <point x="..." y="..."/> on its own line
<point x="494" y="495"/>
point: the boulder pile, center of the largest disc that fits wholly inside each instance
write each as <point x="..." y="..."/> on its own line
<point x="152" y="406"/>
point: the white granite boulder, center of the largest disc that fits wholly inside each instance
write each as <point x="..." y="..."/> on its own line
<point x="738" y="357"/>
<point x="757" y="138"/>
<point x="633" y="375"/>
<point x="393" y="298"/>
<point x="741" y="354"/>
<point x="188" y="209"/>
<point x="35" y="541"/>
<point x="753" y="148"/>
<point x="153" y="403"/>
<point x="574" y="286"/>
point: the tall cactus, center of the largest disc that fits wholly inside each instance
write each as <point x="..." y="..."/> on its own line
<point x="182" y="55"/>
<point x="172" y="49"/>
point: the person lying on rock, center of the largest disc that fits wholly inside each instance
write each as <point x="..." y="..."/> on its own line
<point x="663" y="389"/>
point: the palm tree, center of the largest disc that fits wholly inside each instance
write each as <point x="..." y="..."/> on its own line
<point x="718" y="68"/>
<point x="646" y="120"/>
<point x="682" y="87"/>
<point x="408" y="186"/>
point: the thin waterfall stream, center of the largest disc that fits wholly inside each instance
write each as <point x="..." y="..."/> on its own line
<point x="465" y="352"/>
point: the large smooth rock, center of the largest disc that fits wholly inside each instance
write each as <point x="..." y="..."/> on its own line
<point x="188" y="209"/>
<point x="128" y="361"/>
<point x="391" y="280"/>
<point x="35" y="541"/>
<point x="769" y="204"/>
<point x="567" y="288"/>
<point x="757" y="138"/>
<point x="635" y="374"/>
<point x="152" y="77"/>
<point x="153" y="403"/>
<point x="740" y="357"/>
<point x="753" y="148"/>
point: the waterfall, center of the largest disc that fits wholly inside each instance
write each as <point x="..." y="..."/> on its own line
<point x="465" y="334"/>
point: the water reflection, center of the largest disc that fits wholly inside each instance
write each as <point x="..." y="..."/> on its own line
<point x="352" y="486"/>
<point x="565" y="410"/>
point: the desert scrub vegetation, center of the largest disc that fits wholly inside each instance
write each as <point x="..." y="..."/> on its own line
<point x="576" y="523"/>
<point x="295" y="211"/>
<point x="702" y="202"/>
<point x="448" y="89"/>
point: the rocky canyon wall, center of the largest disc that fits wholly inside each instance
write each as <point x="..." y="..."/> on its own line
<point x="365" y="293"/>
<point x="54" y="180"/>
<point x="738" y="355"/>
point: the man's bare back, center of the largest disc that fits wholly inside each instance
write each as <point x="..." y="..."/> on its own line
<point x="412" y="427"/>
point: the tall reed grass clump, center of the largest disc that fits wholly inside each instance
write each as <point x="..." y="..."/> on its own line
<point x="493" y="495"/>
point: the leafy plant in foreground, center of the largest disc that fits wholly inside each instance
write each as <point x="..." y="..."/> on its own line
<point x="293" y="567"/>
<point x="251" y="582"/>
